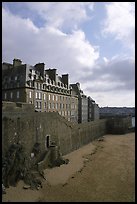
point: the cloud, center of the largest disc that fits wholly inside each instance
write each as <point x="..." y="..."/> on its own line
<point x="111" y="82"/>
<point x="120" y="22"/>
<point x="62" y="14"/>
<point x="70" y="52"/>
<point x="117" y="74"/>
<point x="105" y="60"/>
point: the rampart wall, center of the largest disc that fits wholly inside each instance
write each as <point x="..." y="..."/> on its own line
<point x="29" y="127"/>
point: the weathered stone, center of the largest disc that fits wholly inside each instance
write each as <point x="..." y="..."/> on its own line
<point x="26" y="186"/>
<point x="3" y="189"/>
<point x="101" y="139"/>
<point x="16" y="167"/>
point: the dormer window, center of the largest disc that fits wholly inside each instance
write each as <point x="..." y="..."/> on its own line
<point x="29" y="75"/>
<point x="44" y="86"/>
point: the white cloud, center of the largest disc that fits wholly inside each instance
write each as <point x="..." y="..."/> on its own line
<point x="120" y="22"/>
<point x="71" y="53"/>
<point x="112" y="83"/>
<point x="88" y="52"/>
<point x="62" y="14"/>
<point x="105" y="60"/>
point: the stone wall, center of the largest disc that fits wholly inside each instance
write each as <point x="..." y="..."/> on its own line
<point x="86" y="132"/>
<point x="21" y="124"/>
<point x="33" y="127"/>
<point x="119" y="125"/>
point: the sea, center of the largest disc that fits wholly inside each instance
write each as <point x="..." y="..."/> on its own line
<point x="133" y="121"/>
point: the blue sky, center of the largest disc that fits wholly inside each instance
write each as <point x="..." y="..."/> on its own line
<point x="94" y="42"/>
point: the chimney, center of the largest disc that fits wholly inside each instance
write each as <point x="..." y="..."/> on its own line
<point x="78" y="85"/>
<point x="40" y="67"/>
<point x="65" y="79"/>
<point x="52" y="74"/>
<point x="17" y="62"/>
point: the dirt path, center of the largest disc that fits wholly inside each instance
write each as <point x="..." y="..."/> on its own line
<point x="107" y="173"/>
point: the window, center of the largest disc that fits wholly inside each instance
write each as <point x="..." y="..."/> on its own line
<point x="56" y="105"/>
<point x="40" y="105"/>
<point x="44" y="86"/>
<point x="36" y="94"/>
<point x="49" y="96"/>
<point x="37" y="85"/>
<point x="15" y="78"/>
<point x="36" y="104"/>
<point x="45" y="105"/>
<point x="56" y="97"/>
<point x="53" y="97"/>
<point x="40" y="95"/>
<point x="30" y="94"/>
<point x="40" y="86"/>
<point x="31" y="84"/>
<point x="44" y="96"/>
<point x="18" y="94"/>
<point x="72" y="105"/>
<point x="49" y="105"/>
<point x="5" y="95"/>
<point x="11" y="94"/>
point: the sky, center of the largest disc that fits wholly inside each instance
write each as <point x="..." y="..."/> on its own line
<point x="93" y="42"/>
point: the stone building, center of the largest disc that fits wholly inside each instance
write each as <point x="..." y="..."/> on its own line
<point x="93" y="110"/>
<point x="41" y="87"/>
<point x="82" y="103"/>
